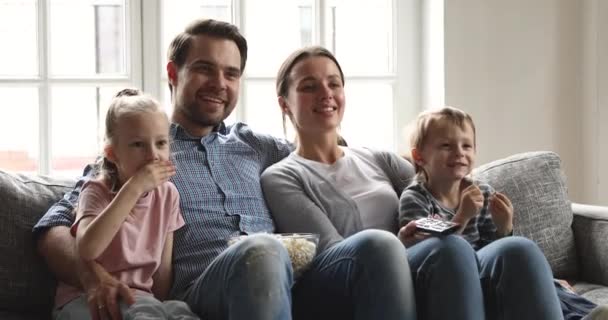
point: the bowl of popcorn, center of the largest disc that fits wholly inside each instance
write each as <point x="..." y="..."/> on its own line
<point x="301" y="247"/>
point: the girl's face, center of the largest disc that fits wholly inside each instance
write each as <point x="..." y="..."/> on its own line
<point x="448" y="154"/>
<point x="138" y="140"/>
<point x="315" y="97"/>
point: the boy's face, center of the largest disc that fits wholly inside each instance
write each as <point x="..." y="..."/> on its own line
<point x="449" y="151"/>
<point x="206" y="87"/>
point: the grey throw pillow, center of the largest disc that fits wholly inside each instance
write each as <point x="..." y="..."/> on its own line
<point x="25" y="282"/>
<point x="536" y="185"/>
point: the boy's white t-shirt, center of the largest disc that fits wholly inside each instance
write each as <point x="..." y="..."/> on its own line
<point x="358" y="176"/>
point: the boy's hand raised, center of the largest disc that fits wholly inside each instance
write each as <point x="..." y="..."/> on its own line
<point x="501" y="210"/>
<point x="471" y="201"/>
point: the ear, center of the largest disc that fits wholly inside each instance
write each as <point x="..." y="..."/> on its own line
<point x="283" y="105"/>
<point x="172" y="73"/>
<point x="109" y="153"/>
<point x="417" y="156"/>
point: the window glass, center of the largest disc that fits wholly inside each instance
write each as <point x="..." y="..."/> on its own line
<point x="19" y="130"/>
<point x="78" y="124"/>
<point x="368" y="117"/>
<point x="19" y="54"/>
<point x="177" y="14"/>
<point x="359" y="30"/>
<point x="272" y="37"/>
<point x="263" y="113"/>
<point x="87" y="37"/>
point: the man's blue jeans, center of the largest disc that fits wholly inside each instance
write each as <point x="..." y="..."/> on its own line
<point x="365" y="276"/>
<point x="507" y="279"/>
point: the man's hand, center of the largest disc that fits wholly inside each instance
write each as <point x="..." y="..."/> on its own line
<point x="104" y="293"/>
<point x="152" y="175"/>
<point x="471" y="201"/>
<point x="409" y="235"/>
<point x="501" y="210"/>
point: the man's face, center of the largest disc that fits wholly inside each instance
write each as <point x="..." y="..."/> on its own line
<point x="205" y="88"/>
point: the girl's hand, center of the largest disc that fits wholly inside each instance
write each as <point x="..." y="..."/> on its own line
<point x="152" y="175"/>
<point x="409" y="235"/>
<point x="471" y="201"/>
<point x="501" y="210"/>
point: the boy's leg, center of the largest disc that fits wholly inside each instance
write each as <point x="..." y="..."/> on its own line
<point x="446" y="276"/>
<point x="365" y="276"/>
<point x="517" y="281"/>
<point x="250" y="280"/>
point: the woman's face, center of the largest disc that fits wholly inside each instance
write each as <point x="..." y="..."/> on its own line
<point x="315" y="97"/>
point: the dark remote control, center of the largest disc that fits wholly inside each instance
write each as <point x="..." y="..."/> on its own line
<point x="436" y="226"/>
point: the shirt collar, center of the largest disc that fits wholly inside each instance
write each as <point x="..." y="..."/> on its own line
<point x="177" y="132"/>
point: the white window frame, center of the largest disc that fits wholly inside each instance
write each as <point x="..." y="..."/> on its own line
<point x="407" y="50"/>
<point x="144" y="67"/>
<point x="45" y="81"/>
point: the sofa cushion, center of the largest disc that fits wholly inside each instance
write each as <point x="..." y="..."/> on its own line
<point x="25" y="282"/>
<point x="536" y="186"/>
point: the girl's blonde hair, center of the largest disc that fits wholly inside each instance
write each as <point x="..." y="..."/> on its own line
<point x="427" y="120"/>
<point x="125" y="102"/>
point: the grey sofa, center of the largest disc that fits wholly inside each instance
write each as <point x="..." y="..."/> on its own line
<point x="572" y="236"/>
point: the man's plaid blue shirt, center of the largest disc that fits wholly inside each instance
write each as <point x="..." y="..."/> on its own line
<point x="218" y="179"/>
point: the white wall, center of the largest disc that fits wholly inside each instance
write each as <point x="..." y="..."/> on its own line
<point x="518" y="67"/>
<point x="595" y="100"/>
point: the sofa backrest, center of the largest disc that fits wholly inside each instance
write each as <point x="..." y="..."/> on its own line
<point x="26" y="285"/>
<point x="535" y="184"/>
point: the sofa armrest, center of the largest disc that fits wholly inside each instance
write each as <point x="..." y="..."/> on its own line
<point x="590" y="226"/>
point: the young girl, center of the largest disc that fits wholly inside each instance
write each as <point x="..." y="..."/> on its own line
<point x="515" y="277"/>
<point x="127" y="215"/>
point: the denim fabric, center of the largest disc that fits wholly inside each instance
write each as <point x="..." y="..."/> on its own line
<point x="517" y="281"/>
<point x="574" y="306"/>
<point x="362" y="277"/>
<point x="507" y="279"/>
<point x="252" y="279"/>
<point x="365" y="276"/>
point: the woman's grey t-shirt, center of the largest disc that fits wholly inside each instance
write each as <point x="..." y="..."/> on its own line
<point x="359" y="176"/>
<point x="303" y="198"/>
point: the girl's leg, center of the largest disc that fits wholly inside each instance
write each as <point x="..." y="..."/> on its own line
<point x="178" y="310"/>
<point x="446" y="277"/>
<point x="365" y="276"/>
<point x="145" y="307"/>
<point x="517" y="281"/>
<point x="73" y="310"/>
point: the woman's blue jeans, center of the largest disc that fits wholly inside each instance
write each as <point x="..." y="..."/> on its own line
<point x="507" y="279"/>
<point x="365" y="276"/>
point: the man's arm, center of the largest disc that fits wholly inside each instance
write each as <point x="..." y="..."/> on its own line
<point x="58" y="248"/>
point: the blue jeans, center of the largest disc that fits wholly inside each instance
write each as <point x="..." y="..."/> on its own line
<point x="365" y="276"/>
<point x="507" y="279"/>
<point x="362" y="277"/>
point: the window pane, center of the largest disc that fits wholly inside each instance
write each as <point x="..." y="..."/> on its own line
<point x="372" y="22"/>
<point x="87" y="37"/>
<point x="271" y="38"/>
<point x="19" y="129"/>
<point x="177" y="14"/>
<point x="262" y="111"/>
<point x="78" y="123"/>
<point x="19" y="54"/>
<point x="368" y="118"/>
